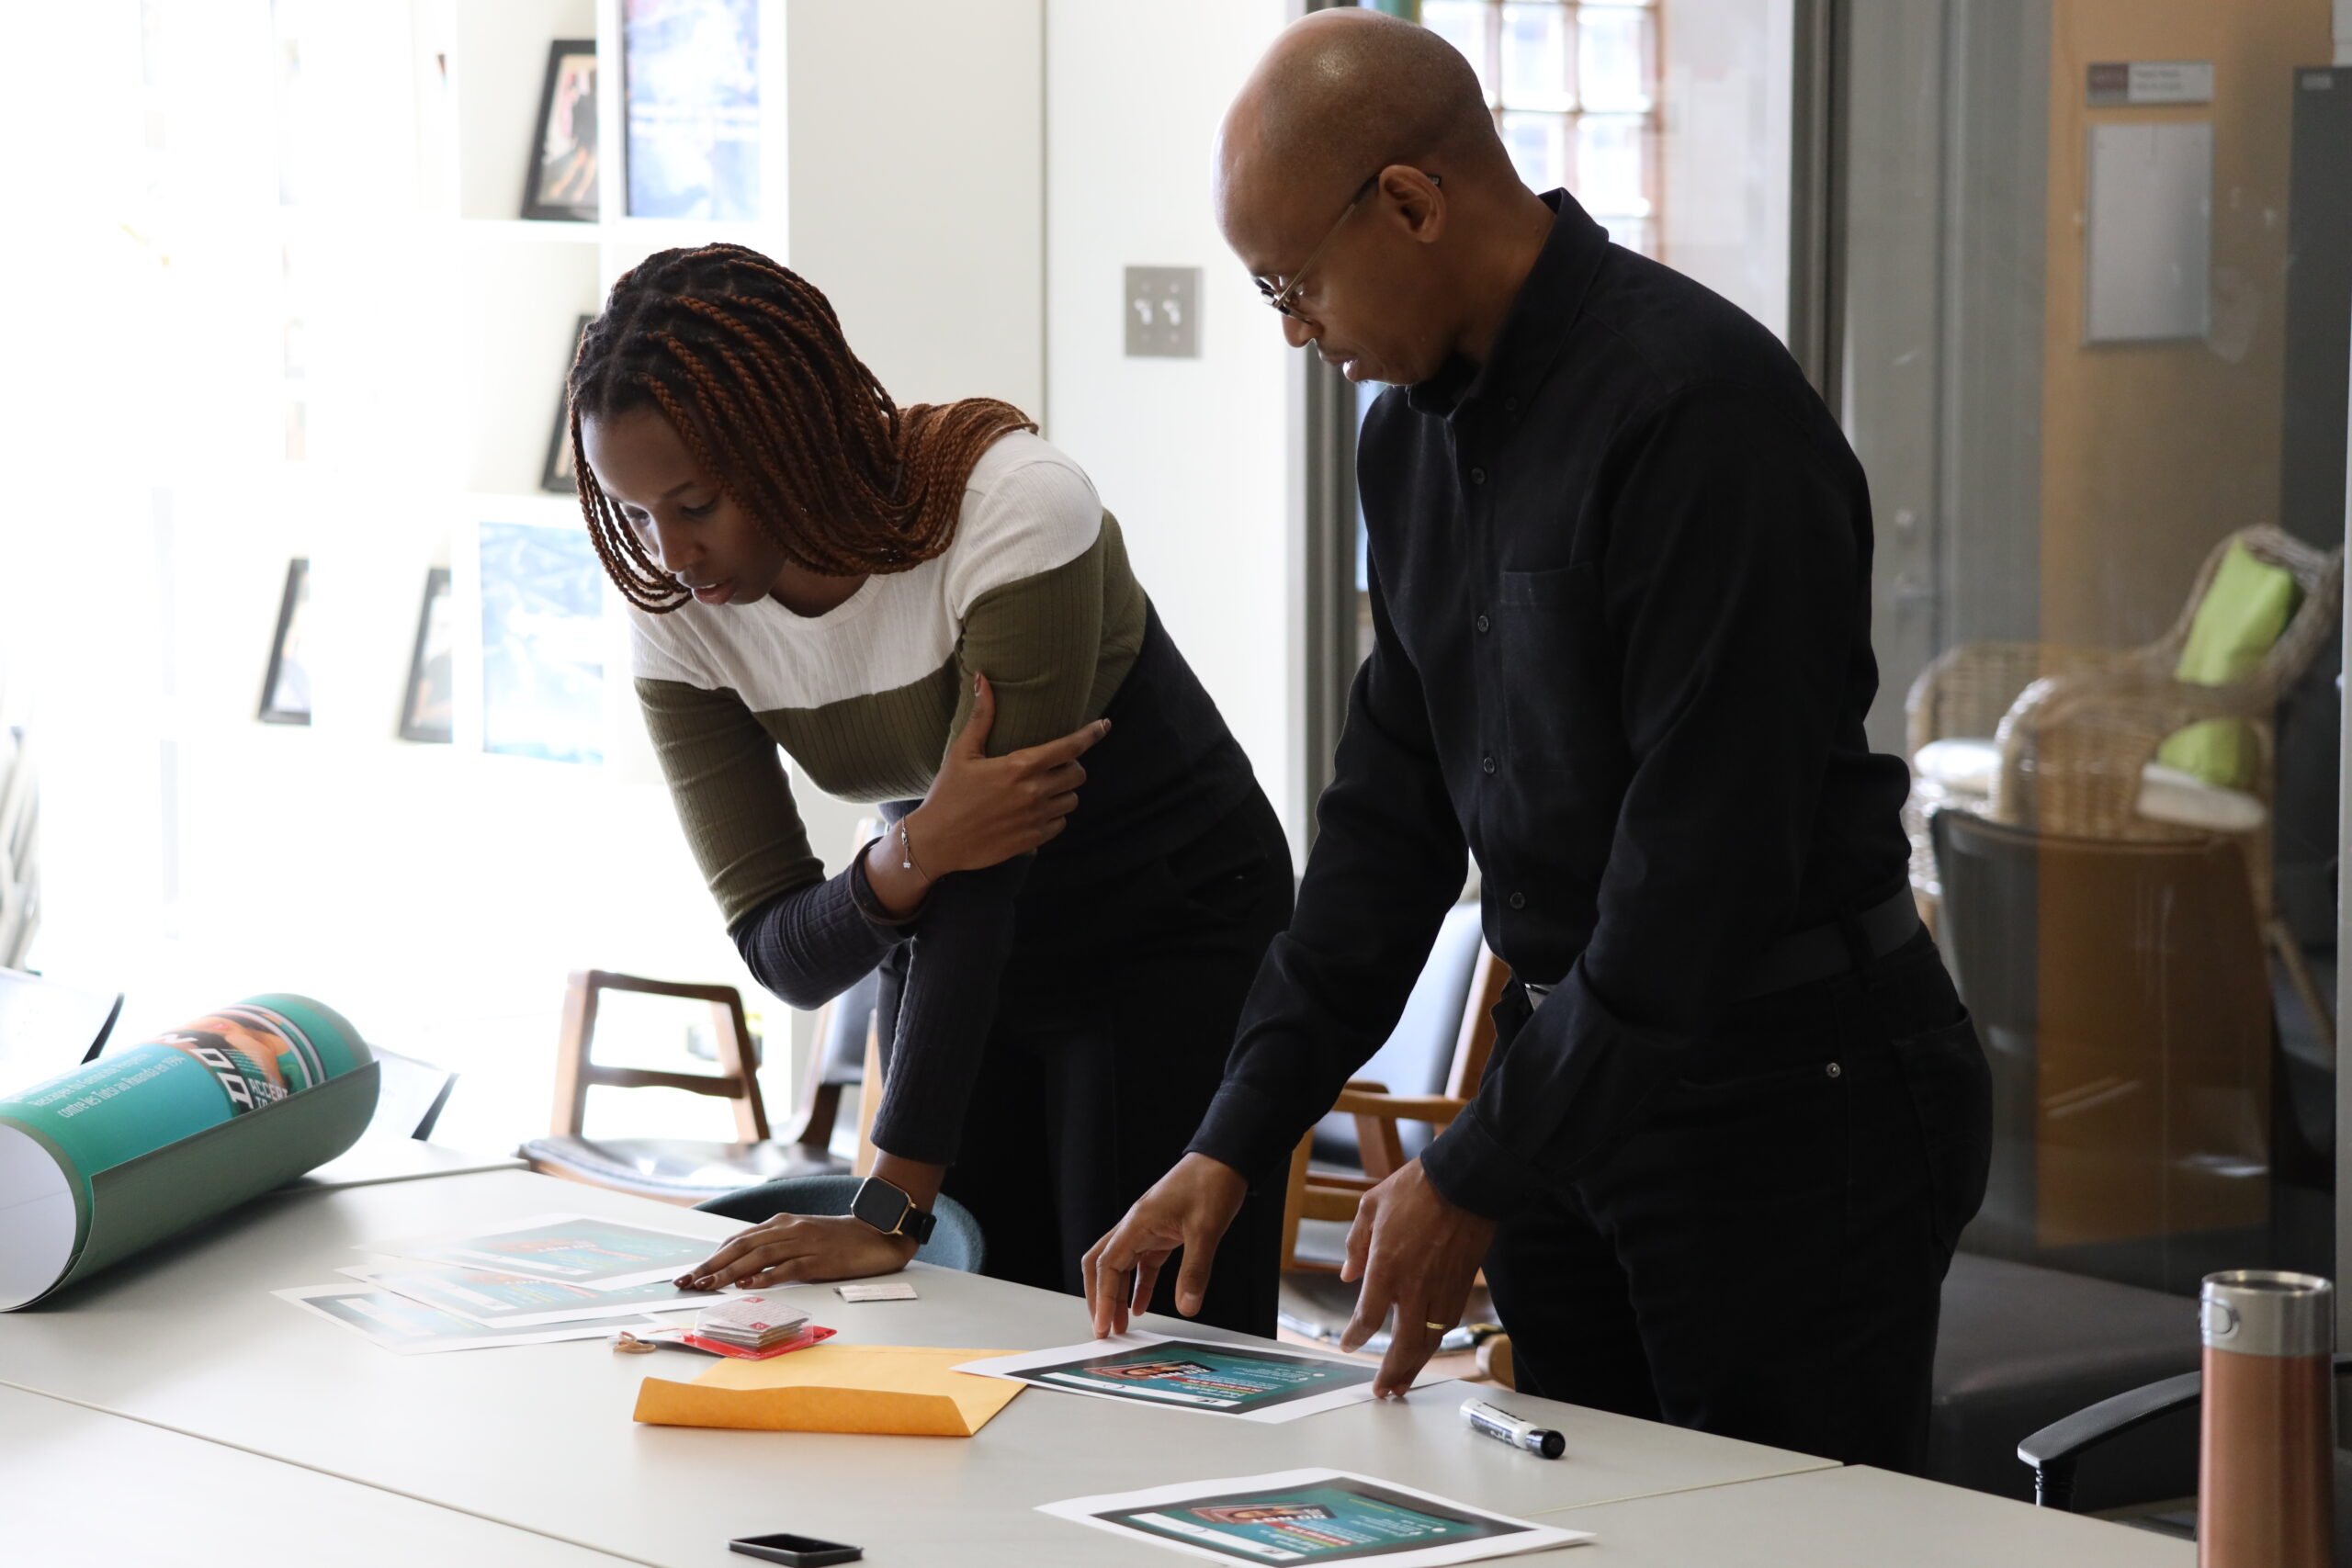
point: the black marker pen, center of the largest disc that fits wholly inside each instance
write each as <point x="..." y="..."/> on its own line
<point x="1505" y="1427"/>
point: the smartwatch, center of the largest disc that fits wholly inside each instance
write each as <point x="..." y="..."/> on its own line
<point x="891" y="1212"/>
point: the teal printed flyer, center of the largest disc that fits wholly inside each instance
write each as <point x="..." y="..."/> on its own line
<point x="409" y="1327"/>
<point x="1314" y="1516"/>
<point x="579" y="1248"/>
<point x="1258" y="1382"/>
<point x="503" y="1301"/>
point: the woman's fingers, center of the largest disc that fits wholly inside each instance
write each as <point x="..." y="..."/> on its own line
<point x="973" y="741"/>
<point x="1068" y="749"/>
<point x="724" y="1264"/>
<point x="785" y="1272"/>
<point x="761" y="1262"/>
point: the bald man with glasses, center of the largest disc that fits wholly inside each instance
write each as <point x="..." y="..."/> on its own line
<point x="1736" y="1116"/>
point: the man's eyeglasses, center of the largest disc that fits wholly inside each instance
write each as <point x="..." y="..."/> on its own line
<point x="1283" y="297"/>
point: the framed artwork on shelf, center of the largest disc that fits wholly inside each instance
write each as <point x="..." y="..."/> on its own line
<point x="286" y="690"/>
<point x="428" y="712"/>
<point x="563" y="152"/>
<point x="542" y="642"/>
<point x="690" y="75"/>
<point x="557" y="477"/>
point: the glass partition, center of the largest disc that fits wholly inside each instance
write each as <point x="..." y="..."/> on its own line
<point x="2096" y="269"/>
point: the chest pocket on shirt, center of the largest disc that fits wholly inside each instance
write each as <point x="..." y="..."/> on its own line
<point x="1549" y="640"/>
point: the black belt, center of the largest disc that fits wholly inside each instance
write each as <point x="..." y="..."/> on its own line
<point x="1818" y="953"/>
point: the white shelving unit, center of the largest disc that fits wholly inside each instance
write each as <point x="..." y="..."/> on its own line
<point x="438" y="892"/>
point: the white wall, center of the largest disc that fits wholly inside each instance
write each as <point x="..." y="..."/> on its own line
<point x="1195" y="456"/>
<point x="918" y="201"/>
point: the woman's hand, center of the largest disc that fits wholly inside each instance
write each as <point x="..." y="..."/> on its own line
<point x="982" y="810"/>
<point x="800" y="1247"/>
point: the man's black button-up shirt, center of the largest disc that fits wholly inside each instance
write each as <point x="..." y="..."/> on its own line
<point x="1621" y="606"/>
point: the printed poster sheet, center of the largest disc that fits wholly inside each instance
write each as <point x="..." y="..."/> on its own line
<point x="1253" y="1383"/>
<point x="580" y="1249"/>
<point x="411" y="1329"/>
<point x="1312" y="1515"/>
<point x="515" y="1300"/>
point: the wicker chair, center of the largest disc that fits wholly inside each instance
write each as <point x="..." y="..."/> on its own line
<point x="2078" y="726"/>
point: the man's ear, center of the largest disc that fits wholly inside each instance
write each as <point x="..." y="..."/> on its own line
<point x="1415" y="201"/>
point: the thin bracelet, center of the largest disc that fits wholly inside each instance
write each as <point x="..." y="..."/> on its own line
<point x="907" y="853"/>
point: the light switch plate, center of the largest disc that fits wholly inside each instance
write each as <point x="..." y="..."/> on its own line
<point x="1163" y="312"/>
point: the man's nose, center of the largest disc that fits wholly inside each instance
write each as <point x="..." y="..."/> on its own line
<point x="1299" y="332"/>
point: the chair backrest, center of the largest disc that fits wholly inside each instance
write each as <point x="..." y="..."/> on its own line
<point x="576" y="1071"/>
<point x="836" y="1062"/>
<point x="20" y="843"/>
<point x="2318" y="574"/>
<point x="46" y="1028"/>
<point x="410" y="1096"/>
<point x="2122" y="991"/>
<point x="842" y="1031"/>
<point x="1418" y="1056"/>
<point x="955" y="1242"/>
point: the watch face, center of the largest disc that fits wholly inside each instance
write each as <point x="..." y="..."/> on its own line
<point x="879" y="1204"/>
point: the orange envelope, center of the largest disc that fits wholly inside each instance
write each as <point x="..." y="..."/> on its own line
<point x="912" y="1391"/>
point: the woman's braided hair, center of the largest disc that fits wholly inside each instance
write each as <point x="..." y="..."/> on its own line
<point x="747" y="360"/>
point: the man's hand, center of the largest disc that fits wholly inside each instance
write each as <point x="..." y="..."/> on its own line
<point x="800" y="1247"/>
<point x="1417" y="1252"/>
<point x="1189" y="1207"/>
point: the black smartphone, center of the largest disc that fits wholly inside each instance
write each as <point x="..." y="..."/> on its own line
<point x="800" y="1550"/>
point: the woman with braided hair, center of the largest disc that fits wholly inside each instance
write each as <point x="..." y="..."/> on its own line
<point x="927" y="607"/>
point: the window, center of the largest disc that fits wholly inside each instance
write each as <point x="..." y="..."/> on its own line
<point x="1673" y="123"/>
<point x="1573" y="85"/>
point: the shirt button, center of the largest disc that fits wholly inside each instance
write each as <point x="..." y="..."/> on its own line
<point x="1484" y="622"/>
<point x="1487" y="765"/>
<point x="1477" y="476"/>
<point x="1511" y="405"/>
<point x="1519" y="900"/>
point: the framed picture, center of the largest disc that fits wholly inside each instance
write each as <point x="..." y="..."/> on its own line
<point x="691" y="81"/>
<point x="557" y="476"/>
<point x="563" y="155"/>
<point x="429" y="713"/>
<point x="286" y="690"/>
<point x="543" y="639"/>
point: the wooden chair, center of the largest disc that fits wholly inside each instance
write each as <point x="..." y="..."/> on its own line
<point x="682" y="1171"/>
<point x="1324" y="1193"/>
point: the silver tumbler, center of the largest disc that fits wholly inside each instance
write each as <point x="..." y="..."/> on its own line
<point x="2265" y="1484"/>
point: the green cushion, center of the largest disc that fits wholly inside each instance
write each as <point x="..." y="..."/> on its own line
<point x="2241" y="617"/>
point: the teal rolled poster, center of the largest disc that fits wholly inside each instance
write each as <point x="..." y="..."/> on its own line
<point x="118" y="1154"/>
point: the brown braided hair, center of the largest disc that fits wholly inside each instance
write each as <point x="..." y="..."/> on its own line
<point x="747" y="360"/>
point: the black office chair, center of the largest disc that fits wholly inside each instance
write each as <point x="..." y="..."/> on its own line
<point x="2055" y="1451"/>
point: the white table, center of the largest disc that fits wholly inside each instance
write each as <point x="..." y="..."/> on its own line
<point x="399" y="1159"/>
<point x="539" y="1437"/>
<point x="1856" y="1517"/>
<point x="85" y="1489"/>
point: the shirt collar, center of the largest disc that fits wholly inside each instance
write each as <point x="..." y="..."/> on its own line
<point x="1537" y="324"/>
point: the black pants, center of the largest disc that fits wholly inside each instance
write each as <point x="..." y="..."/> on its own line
<point x="1762" y="1256"/>
<point x="1113" y="1020"/>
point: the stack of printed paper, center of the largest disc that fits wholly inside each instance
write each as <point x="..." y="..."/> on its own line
<point x="550" y="1277"/>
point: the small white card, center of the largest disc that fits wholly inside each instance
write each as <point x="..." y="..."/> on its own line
<point x="895" y="1290"/>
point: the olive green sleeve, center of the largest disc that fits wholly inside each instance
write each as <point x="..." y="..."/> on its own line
<point x="1055" y="647"/>
<point x="727" y="784"/>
